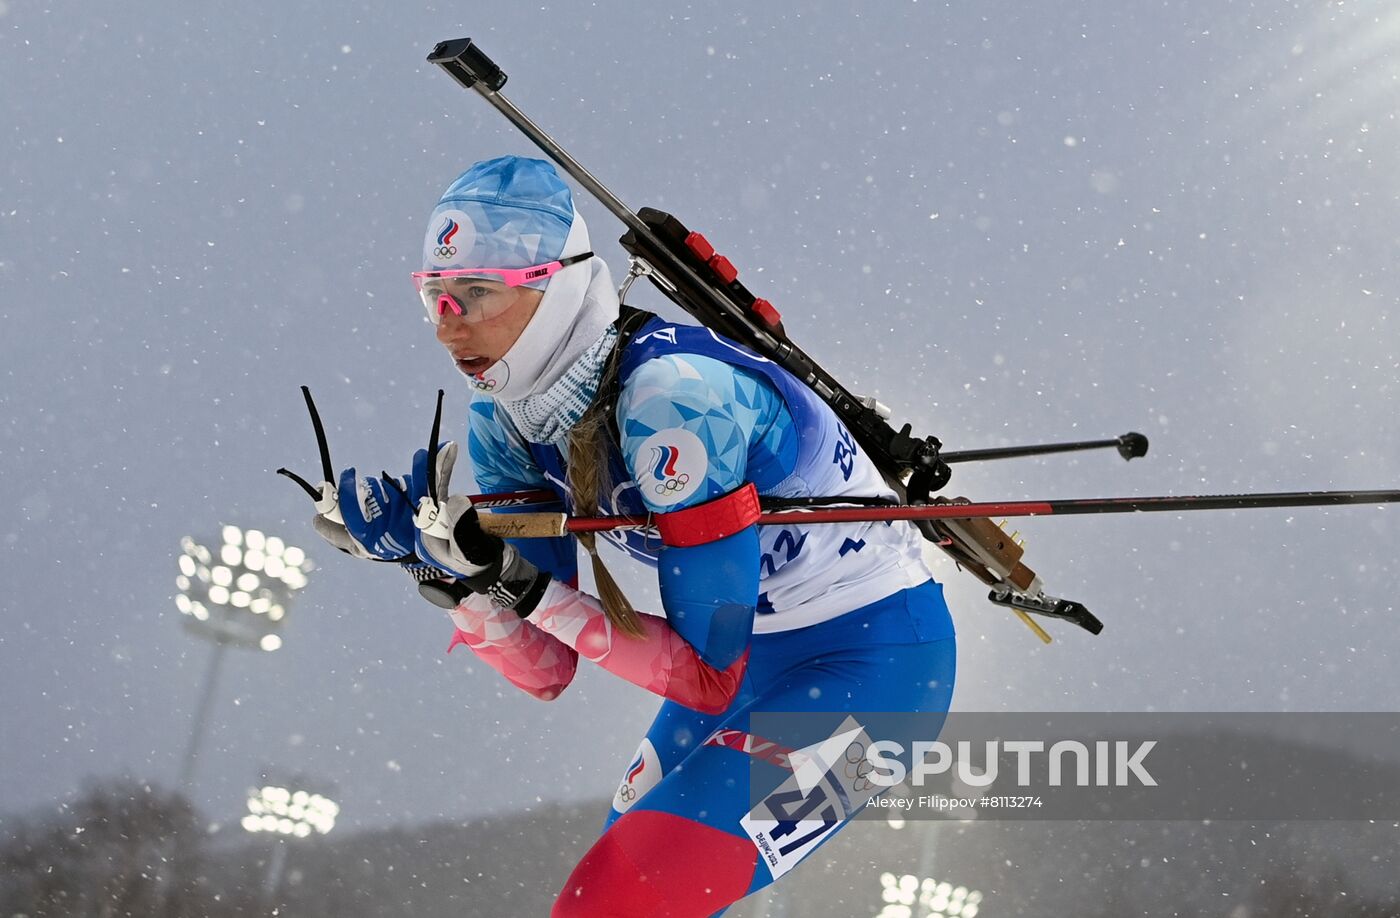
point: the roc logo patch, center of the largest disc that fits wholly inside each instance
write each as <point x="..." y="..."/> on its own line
<point x="449" y="235"/>
<point x="643" y="773"/>
<point x="671" y="466"/>
<point x="492" y="378"/>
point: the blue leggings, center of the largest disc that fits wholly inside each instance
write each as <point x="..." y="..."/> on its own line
<point x="673" y="844"/>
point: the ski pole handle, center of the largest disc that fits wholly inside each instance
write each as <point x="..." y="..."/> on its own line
<point x="524" y="525"/>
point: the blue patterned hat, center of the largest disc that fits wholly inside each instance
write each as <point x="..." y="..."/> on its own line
<point x="508" y="212"/>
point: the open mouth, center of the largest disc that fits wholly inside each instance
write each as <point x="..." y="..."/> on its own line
<point x="472" y="366"/>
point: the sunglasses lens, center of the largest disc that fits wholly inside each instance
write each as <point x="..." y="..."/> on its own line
<point x="475" y="296"/>
<point x="438" y="302"/>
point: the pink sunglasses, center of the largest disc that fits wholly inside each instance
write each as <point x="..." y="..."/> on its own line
<point x="442" y="291"/>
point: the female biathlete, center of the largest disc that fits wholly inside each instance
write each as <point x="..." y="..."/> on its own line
<point x="620" y="412"/>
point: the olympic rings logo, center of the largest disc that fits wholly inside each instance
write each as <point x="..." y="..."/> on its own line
<point x="626" y="793"/>
<point x="445" y="251"/>
<point x="677" y="483"/>
<point x="482" y="384"/>
<point x="858" y="768"/>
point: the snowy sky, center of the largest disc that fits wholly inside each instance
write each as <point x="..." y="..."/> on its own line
<point x="1012" y="222"/>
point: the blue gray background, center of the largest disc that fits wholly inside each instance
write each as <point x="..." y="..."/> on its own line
<point x="1012" y="222"/>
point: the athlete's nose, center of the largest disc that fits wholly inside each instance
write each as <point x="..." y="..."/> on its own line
<point x="452" y="329"/>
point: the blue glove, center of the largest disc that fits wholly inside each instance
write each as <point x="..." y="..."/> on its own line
<point x="378" y="515"/>
<point x="367" y="518"/>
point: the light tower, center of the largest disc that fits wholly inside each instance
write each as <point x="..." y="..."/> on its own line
<point x="234" y="594"/>
<point x="286" y="811"/>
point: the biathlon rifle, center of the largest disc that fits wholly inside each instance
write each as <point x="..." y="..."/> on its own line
<point x="687" y="269"/>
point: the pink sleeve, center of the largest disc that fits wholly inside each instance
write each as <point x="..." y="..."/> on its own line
<point x="660" y="661"/>
<point x="529" y="658"/>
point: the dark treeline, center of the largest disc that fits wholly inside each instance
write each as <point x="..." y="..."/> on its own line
<point x="125" y="848"/>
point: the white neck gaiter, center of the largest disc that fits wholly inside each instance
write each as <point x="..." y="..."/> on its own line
<point x="548" y="416"/>
<point x="579" y="305"/>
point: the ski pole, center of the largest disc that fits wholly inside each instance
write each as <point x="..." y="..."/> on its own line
<point x="1131" y="445"/>
<point x="552" y="525"/>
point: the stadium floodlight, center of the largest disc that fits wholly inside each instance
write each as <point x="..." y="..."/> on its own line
<point x="234" y="593"/>
<point x="283" y="811"/>
<point x="238" y="591"/>
<point x="908" y="896"/>
<point x="288" y="812"/>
